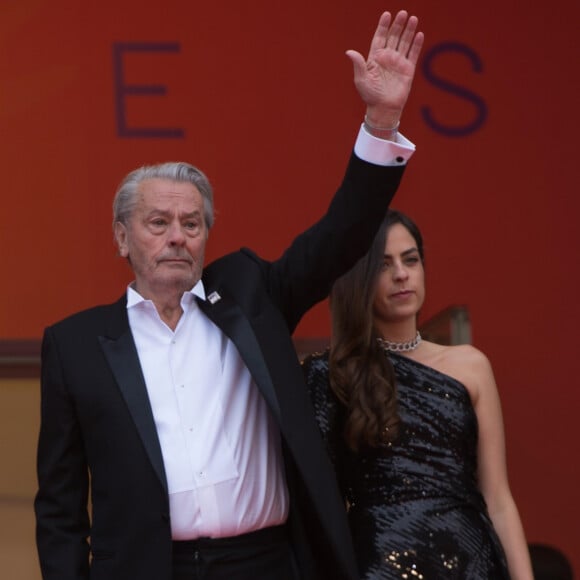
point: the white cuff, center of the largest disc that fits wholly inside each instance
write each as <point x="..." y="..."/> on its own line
<point x="381" y="151"/>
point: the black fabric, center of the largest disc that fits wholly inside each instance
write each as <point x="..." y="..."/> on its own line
<point x="415" y="507"/>
<point x="261" y="555"/>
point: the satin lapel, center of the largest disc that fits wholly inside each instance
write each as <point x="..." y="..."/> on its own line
<point x="228" y="316"/>
<point x="121" y="354"/>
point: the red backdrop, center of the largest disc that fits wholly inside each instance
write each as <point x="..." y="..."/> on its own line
<point x="249" y="92"/>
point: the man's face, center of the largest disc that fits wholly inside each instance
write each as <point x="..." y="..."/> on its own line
<point x="164" y="238"/>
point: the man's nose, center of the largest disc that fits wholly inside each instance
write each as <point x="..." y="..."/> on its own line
<point x="175" y="234"/>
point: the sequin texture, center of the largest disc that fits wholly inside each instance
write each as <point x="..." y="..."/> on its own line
<point x="415" y="509"/>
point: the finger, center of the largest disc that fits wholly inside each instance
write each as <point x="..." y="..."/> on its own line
<point x="381" y="33"/>
<point x="415" y="48"/>
<point x="397" y="28"/>
<point x="408" y="35"/>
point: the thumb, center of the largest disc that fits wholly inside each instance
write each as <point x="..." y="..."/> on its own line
<point x="358" y="62"/>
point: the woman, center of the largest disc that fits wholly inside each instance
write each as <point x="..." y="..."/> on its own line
<point x="414" y="429"/>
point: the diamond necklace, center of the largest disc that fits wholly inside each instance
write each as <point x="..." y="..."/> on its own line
<point x="400" y="346"/>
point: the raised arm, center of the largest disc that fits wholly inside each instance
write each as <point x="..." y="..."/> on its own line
<point x="384" y="79"/>
<point x="304" y="274"/>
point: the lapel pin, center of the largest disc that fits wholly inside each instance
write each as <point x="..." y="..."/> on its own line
<point x="214" y="297"/>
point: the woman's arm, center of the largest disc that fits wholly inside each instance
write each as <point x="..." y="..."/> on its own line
<point x="492" y="468"/>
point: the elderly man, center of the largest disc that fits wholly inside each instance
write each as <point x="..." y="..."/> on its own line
<point x="182" y="407"/>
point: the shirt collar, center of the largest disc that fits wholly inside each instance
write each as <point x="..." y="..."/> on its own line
<point x="134" y="298"/>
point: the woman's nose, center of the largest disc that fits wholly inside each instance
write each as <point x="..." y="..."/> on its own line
<point x="400" y="272"/>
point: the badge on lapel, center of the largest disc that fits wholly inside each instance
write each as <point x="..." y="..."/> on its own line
<point x="214" y="297"/>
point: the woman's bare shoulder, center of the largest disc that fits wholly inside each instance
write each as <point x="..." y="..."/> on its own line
<point x="463" y="362"/>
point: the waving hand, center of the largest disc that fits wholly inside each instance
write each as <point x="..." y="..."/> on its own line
<point x="384" y="79"/>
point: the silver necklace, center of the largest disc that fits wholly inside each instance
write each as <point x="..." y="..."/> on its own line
<point x="400" y="346"/>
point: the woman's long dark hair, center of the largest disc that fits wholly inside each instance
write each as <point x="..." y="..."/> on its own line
<point x="360" y="374"/>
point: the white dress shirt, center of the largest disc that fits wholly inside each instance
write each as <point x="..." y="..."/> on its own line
<point x="221" y="447"/>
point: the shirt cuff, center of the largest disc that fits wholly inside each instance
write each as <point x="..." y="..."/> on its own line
<point x="383" y="152"/>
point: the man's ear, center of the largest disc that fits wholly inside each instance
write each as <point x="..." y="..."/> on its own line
<point x="121" y="239"/>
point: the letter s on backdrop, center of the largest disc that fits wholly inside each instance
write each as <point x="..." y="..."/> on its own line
<point x="454" y="89"/>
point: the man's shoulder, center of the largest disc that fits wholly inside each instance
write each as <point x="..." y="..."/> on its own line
<point x="243" y="255"/>
<point x="232" y="264"/>
<point x="88" y="317"/>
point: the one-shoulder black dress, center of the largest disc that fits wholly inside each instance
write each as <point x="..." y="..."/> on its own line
<point x="415" y="510"/>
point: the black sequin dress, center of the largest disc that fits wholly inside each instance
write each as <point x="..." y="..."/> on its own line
<point x="415" y="508"/>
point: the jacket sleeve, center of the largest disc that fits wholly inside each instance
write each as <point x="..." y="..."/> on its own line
<point x="304" y="274"/>
<point x="62" y="521"/>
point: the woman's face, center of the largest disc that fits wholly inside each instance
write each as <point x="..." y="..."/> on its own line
<point x="400" y="289"/>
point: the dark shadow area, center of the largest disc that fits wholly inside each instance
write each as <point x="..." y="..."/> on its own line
<point x="549" y="563"/>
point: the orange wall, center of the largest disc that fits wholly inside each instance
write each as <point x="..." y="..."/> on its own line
<point x="253" y="88"/>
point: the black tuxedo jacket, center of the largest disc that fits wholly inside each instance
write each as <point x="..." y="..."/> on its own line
<point x="97" y="428"/>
